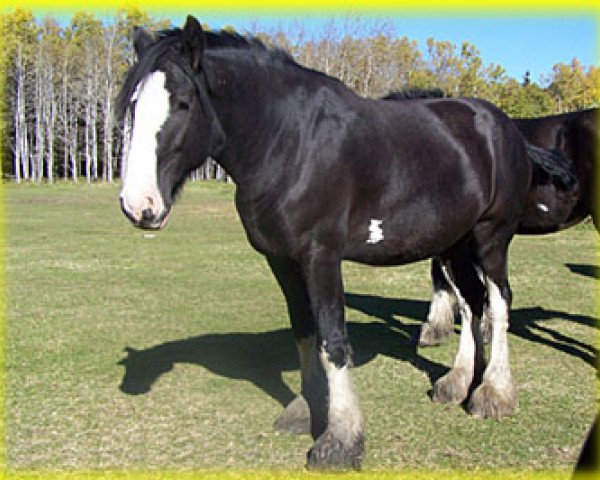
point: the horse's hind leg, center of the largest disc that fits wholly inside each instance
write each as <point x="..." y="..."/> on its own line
<point x="296" y="416"/>
<point x="442" y="309"/>
<point x="438" y="327"/>
<point x="496" y="396"/>
<point x="462" y="276"/>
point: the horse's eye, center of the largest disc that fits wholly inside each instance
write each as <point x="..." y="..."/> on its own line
<point x="183" y="105"/>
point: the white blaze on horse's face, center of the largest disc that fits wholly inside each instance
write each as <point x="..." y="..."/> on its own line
<point x="140" y="197"/>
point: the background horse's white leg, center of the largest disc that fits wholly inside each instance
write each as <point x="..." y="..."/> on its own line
<point x="442" y="309"/>
<point x="454" y="386"/>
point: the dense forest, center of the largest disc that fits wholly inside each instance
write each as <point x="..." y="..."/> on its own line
<point x="60" y="83"/>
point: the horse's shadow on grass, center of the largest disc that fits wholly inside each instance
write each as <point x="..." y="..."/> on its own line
<point x="527" y="323"/>
<point x="586" y="270"/>
<point x="261" y="358"/>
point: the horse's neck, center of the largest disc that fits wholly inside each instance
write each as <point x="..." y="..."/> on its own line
<point x="251" y="114"/>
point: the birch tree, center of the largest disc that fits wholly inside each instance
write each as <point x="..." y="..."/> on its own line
<point x="108" y="83"/>
<point x="19" y="36"/>
<point x="21" y="144"/>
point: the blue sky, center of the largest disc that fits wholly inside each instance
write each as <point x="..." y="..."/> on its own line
<point x="533" y="42"/>
<point x="518" y="43"/>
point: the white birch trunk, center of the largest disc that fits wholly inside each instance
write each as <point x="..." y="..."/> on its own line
<point x="73" y="144"/>
<point x="39" y="115"/>
<point x="107" y="171"/>
<point x="18" y="125"/>
<point x="50" y="121"/>
<point x="87" y="136"/>
<point x="94" y="135"/>
<point x="65" y="121"/>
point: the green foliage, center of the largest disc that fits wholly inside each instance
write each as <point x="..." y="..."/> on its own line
<point x="520" y="101"/>
<point x="18" y="35"/>
<point x="17" y="28"/>
<point x="574" y="86"/>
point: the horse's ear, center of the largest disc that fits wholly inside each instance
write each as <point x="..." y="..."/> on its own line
<point x="141" y="41"/>
<point x="193" y="41"/>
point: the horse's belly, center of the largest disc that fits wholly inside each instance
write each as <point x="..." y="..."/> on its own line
<point x="378" y="256"/>
<point x="409" y="231"/>
<point x="378" y="245"/>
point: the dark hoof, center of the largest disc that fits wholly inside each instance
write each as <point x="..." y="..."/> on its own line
<point x="433" y="335"/>
<point x="330" y="453"/>
<point x="490" y="402"/>
<point x="452" y="387"/>
<point x="295" y="418"/>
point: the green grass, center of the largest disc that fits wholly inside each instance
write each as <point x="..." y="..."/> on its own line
<point x="212" y="360"/>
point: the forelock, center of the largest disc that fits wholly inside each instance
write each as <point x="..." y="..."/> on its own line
<point x="147" y="64"/>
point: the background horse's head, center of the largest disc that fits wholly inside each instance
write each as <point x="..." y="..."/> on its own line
<point x="174" y="125"/>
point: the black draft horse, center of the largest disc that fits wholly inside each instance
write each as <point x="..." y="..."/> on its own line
<point x="575" y="134"/>
<point x="322" y="176"/>
<point x="550" y="207"/>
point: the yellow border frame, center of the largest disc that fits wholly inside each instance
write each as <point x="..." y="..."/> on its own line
<point x="273" y="7"/>
<point x="321" y="7"/>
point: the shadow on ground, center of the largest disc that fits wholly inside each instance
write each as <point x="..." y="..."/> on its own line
<point x="586" y="270"/>
<point x="261" y="358"/>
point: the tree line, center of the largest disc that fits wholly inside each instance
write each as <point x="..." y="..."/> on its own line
<point x="60" y="84"/>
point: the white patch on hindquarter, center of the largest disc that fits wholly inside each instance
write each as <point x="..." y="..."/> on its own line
<point x="140" y="187"/>
<point x="375" y="231"/>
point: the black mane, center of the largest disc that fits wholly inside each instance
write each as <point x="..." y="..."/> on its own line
<point x="414" y="93"/>
<point x="170" y="40"/>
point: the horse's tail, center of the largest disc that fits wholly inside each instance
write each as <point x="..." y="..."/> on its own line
<point x="551" y="166"/>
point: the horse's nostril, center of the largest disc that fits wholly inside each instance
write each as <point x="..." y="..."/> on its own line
<point x="150" y="201"/>
<point x="147" y="215"/>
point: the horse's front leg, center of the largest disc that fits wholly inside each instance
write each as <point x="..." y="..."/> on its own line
<point x="336" y="420"/>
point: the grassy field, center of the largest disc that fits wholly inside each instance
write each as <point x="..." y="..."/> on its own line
<point x="171" y="350"/>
